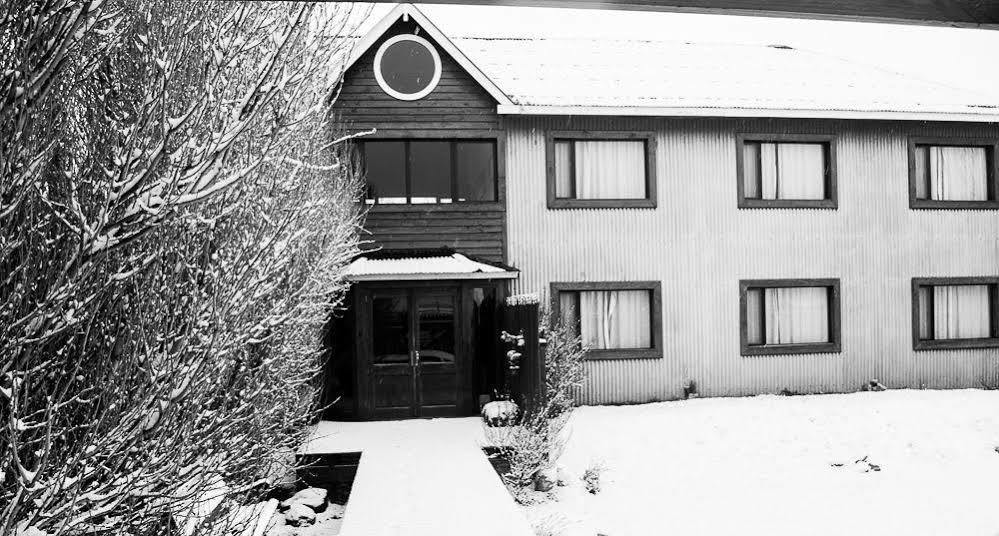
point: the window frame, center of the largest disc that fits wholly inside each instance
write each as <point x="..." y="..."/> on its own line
<point x="834" y="346"/>
<point x="380" y="78"/>
<point x="649" y="137"/>
<point x="956" y="344"/>
<point x="992" y="169"/>
<point x="831" y="202"/>
<point x="499" y="140"/>
<point x="655" y="306"/>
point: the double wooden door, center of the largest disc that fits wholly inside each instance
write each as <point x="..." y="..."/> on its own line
<point x="413" y="352"/>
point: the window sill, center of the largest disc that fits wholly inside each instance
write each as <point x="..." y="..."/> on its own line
<point x="480" y="206"/>
<point x="636" y="353"/>
<point x="934" y="204"/>
<point x="556" y="204"/>
<point x="790" y="349"/>
<point x="825" y="204"/>
<point x="955" y="344"/>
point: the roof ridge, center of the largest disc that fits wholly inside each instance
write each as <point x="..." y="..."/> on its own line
<point x="626" y="40"/>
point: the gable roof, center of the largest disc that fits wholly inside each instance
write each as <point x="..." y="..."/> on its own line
<point x="569" y="69"/>
<point x="411" y="11"/>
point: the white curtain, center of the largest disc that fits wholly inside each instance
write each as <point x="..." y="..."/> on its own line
<point x="609" y="169"/>
<point x="754" y="318"/>
<point x="961" y="312"/>
<point x="615" y="319"/>
<point x="563" y="170"/>
<point x="958" y="173"/>
<point x="751" y="170"/>
<point x="790" y="171"/>
<point x="796" y="315"/>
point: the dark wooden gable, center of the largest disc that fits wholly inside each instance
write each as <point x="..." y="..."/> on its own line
<point x="457" y="108"/>
<point x="457" y="103"/>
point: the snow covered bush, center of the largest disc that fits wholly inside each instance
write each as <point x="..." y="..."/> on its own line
<point x="535" y="443"/>
<point x="176" y="212"/>
<point x="500" y="413"/>
<point x="532" y="445"/>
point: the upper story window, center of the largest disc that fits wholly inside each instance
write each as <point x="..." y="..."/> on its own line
<point x="429" y="171"/>
<point x="601" y="170"/>
<point x="407" y="67"/>
<point x="786" y="171"/>
<point x="613" y="319"/>
<point x="789" y="316"/>
<point x="955" y="312"/>
<point x="952" y="174"/>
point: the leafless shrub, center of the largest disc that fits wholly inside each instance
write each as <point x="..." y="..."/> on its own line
<point x="564" y="373"/>
<point x="175" y="215"/>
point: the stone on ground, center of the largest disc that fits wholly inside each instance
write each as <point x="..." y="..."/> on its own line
<point x="314" y="498"/>
<point x="299" y="515"/>
<point x="545" y="479"/>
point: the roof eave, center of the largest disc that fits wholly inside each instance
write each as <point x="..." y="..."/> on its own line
<point x="649" y="111"/>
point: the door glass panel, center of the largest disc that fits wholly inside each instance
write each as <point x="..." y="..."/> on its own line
<point x="436" y="316"/>
<point x="390" y="329"/>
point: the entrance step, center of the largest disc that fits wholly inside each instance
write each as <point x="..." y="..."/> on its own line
<point x="420" y="477"/>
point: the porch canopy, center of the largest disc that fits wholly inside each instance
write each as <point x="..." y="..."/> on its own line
<point x="444" y="265"/>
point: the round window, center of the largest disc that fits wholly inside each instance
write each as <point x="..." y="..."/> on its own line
<point x="407" y="67"/>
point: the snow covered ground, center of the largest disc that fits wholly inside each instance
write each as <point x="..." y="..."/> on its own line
<point x="764" y="465"/>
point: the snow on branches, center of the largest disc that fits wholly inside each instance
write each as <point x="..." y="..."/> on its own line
<point x="176" y="212"/>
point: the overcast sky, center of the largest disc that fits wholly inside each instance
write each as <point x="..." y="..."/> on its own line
<point x="961" y="57"/>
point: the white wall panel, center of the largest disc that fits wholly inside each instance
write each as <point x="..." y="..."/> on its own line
<point x="699" y="244"/>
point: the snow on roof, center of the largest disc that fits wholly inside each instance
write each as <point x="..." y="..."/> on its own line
<point x="454" y="266"/>
<point x="610" y="62"/>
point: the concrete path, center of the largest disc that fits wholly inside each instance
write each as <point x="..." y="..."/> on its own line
<point x="421" y="477"/>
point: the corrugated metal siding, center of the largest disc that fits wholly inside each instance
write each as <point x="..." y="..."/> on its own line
<point x="699" y="244"/>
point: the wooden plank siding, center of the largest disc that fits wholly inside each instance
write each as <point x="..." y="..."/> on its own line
<point x="700" y="244"/>
<point x="477" y="231"/>
<point x="457" y="108"/>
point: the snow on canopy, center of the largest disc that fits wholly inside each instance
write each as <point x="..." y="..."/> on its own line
<point x="453" y="266"/>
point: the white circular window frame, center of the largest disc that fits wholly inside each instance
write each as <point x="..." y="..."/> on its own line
<point x="407" y="96"/>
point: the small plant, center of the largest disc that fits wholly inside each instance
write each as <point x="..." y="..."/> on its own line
<point x="591" y="477"/>
<point x="690" y="389"/>
<point x="550" y="525"/>
<point x="874" y="385"/>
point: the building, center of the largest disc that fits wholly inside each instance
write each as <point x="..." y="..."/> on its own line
<point x="731" y="219"/>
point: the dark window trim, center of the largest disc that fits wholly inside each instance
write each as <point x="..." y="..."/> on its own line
<point x="830" y="141"/>
<point x="656" y="352"/>
<point x="581" y="135"/>
<point x="956" y="344"/>
<point x="992" y="168"/>
<point x="498" y="138"/>
<point x="834" y="346"/>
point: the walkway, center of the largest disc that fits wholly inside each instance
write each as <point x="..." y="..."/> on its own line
<point x="421" y="477"/>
